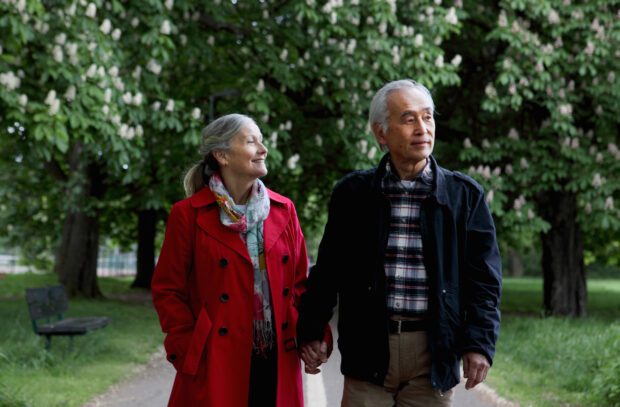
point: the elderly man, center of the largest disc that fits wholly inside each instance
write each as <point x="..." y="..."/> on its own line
<point x="410" y="252"/>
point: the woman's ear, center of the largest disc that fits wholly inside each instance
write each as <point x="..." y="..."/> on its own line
<point x="221" y="157"/>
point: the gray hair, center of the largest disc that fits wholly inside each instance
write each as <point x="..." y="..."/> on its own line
<point x="378" y="106"/>
<point x="216" y="136"/>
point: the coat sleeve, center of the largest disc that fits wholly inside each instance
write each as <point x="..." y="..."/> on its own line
<point x="301" y="273"/>
<point x="482" y="281"/>
<point x="169" y="284"/>
<point x="318" y="302"/>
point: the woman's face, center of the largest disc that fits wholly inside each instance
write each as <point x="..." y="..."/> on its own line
<point x="246" y="156"/>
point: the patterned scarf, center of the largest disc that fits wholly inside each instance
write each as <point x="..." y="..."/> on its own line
<point x="248" y="222"/>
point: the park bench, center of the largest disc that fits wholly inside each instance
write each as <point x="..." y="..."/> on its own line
<point x="49" y="303"/>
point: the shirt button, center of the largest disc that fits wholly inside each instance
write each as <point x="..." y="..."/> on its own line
<point x="397" y="304"/>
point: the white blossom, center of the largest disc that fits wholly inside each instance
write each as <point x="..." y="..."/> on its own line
<point x="51" y="96"/>
<point x="170" y="105"/>
<point x="451" y="16"/>
<point x="497" y="172"/>
<point x="490" y="90"/>
<point x="60" y="39"/>
<point x="554" y="17"/>
<point x="291" y="163"/>
<point x="456" y="61"/>
<point x="284" y="54"/>
<point x="105" y="109"/>
<point x="609" y="203"/>
<point x="261" y="86"/>
<point x="70" y="93"/>
<point x="156" y="106"/>
<point x="574" y="143"/>
<point x="165" y="28"/>
<point x="135" y="22"/>
<point x="418" y="40"/>
<point x="91" y="10"/>
<point x="137" y="99"/>
<point x="10" y="80"/>
<point x="127" y="98"/>
<point x="486" y="144"/>
<point x="116" y="34"/>
<point x="57" y="53"/>
<point x="490" y="196"/>
<point x="211" y="40"/>
<point x="599" y="110"/>
<point x="101" y="71"/>
<point x="597" y="180"/>
<point x="372" y="152"/>
<point x="288" y="126"/>
<point x="502" y="20"/>
<point x="318" y="140"/>
<point x="23" y="99"/>
<point x="523" y="163"/>
<point x="508" y="169"/>
<point x="169" y="4"/>
<point x="530" y="214"/>
<point x="273" y="140"/>
<point x="116" y="120"/>
<point x="363" y="146"/>
<point x="340" y="124"/>
<point x="513" y="134"/>
<point x="113" y="71"/>
<point x="196" y="114"/>
<point x="512" y="89"/>
<point x="92" y="71"/>
<point x="137" y="72"/>
<point x="139" y="130"/>
<point x="467" y="143"/>
<point x="589" y="48"/>
<point x="519" y="203"/>
<point x="319" y="90"/>
<point x="565" y="109"/>
<point x="118" y="83"/>
<point x="154" y="67"/>
<point x="54" y="107"/>
<point x="106" y="26"/>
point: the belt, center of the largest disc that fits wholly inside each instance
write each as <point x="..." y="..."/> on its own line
<point x="396" y="327"/>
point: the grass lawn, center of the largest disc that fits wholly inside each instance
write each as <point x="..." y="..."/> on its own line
<point x="31" y="376"/>
<point x="558" y="361"/>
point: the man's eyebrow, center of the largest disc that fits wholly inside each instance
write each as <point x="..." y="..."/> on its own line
<point x="413" y="112"/>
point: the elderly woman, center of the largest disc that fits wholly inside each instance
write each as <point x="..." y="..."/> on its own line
<point x="232" y="266"/>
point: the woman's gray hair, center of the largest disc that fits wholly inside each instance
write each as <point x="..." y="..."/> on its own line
<point x="216" y="136"/>
<point x="378" y="107"/>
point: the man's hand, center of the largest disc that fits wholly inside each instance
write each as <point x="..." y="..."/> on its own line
<point x="475" y="368"/>
<point x="314" y="354"/>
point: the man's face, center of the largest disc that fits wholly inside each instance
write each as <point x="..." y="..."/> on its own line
<point x="410" y="135"/>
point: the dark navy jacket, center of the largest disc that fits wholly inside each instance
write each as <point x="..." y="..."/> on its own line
<point x="462" y="262"/>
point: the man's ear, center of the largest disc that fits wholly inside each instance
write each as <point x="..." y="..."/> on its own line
<point x="221" y="157"/>
<point x="377" y="131"/>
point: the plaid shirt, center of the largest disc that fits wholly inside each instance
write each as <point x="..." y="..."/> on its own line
<point x="407" y="284"/>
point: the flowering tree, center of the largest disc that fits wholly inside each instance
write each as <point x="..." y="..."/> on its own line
<point x="110" y="96"/>
<point x="553" y="167"/>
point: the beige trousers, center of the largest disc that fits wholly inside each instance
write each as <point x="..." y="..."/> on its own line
<point x="407" y="383"/>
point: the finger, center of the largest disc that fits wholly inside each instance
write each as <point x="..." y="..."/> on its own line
<point x="466" y="368"/>
<point x="323" y="351"/>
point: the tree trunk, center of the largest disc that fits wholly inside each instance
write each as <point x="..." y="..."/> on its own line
<point x="147" y="222"/>
<point x="562" y="256"/>
<point x="76" y="258"/>
<point x="516" y="263"/>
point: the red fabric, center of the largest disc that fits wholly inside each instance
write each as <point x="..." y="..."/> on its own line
<point x="202" y="291"/>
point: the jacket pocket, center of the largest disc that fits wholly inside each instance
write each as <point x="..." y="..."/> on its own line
<point x="197" y="343"/>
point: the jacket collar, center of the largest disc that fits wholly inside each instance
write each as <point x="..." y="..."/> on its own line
<point x="439" y="179"/>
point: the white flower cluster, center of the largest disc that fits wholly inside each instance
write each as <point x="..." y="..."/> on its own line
<point x="291" y="163"/>
<point x="331" y="5"/>
<point x="372" y="152"/>
<point x="456" y="61"/>
<point x="318" y="140"/>
<point x="519" y="203"/>
<point x="467" y="143"/>
<point x="154" y="67"/>
<point x="130" y="99"/>
<point x="196" y="114"/>
<point x="91" y="10"/>
<point x="20" y="5"/>
<point x="614" y="151"/>
<point x="597" y="180"/>
<point x="169" y="4"/>
<point x="565" y="109"/>
<point x="16" y="127"/>
<point x="165" y="28"/>
<point x="451" y="16"/>
<point x="53" y="102"/>
<point x="10" y="81"/>
<point x="609" y="203"/>
<point x="128" y="132"/>
<point x="553" y="17"/>
<point x="513" y="134"/>
<point x="70" y="93"/>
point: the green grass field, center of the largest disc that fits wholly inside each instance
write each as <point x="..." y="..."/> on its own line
<point x="31" y="376"/>
<point x="539" y="362"/>
<point x="557" y="361"/>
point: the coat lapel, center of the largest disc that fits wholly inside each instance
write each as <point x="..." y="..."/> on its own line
<point x="208" y="219"/>
<point x="277" y="220"/>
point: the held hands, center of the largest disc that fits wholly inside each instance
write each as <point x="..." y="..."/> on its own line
<point x="475" y="368"/>
<point x="314" y="354"/>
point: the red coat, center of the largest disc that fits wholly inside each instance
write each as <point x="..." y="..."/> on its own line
<point x="203" y="294"/>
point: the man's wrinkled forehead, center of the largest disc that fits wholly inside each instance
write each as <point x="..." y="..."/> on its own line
<point x="412" y="97"/>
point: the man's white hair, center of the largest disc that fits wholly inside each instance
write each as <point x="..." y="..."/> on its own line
<point x="378" y="107"/>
